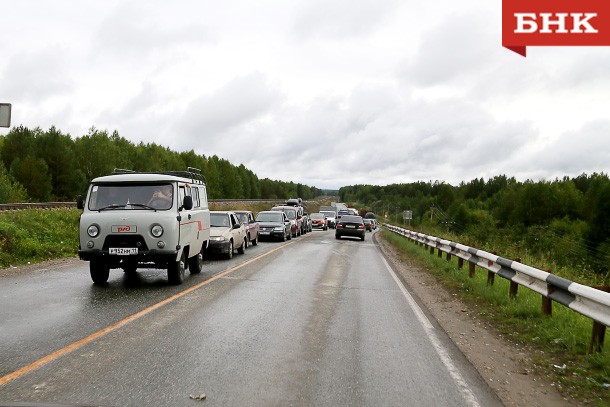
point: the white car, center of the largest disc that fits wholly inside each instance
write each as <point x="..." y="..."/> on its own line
<point x="227" y="233"/>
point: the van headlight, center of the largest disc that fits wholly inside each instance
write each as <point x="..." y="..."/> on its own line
<point x="156" y="230"/>
<point x="93" y="230"/>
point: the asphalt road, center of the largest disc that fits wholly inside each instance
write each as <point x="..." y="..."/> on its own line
<point x="314" y="321"/>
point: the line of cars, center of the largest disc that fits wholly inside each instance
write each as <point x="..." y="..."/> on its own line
<point x="236" y="230"/>
<point x="133" y="220"/>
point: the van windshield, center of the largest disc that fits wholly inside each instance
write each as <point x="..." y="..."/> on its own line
<point x="159" y="196"/>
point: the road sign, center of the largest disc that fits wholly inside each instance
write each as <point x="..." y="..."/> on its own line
<point x="5" y="115"/>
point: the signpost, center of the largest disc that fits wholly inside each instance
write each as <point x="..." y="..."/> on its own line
<point x="407" y="216"/>
<point x="5" y="115"/>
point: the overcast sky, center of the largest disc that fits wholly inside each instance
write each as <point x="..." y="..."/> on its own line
<point x="322" y="92"/>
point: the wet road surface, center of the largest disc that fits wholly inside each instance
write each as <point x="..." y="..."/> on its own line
<point x="315" y="321"/>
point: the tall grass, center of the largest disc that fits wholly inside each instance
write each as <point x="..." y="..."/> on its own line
<point x="562" y="339"/>
<point x="37" y="234"/>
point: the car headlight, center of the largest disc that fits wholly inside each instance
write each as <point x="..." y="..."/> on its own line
<point x="93" y="230"/>
<point x="218" y="238"/>
<point x="278" y="228"/>
<point x="156" y="230"/>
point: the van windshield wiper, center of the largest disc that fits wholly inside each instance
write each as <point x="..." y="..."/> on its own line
<point x="141" y="205"/>
<point x="113" y="206"/>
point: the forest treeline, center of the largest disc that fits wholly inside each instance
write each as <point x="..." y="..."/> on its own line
<point x="43" y="166"/>
<point x="566" y="221"/>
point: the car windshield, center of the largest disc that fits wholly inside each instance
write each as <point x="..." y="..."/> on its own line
<point x="290" y="213"/>
<point x="329" y="214"/>
<point x="219" y="220"/>
<point x="243" y="217"/>
<point x="269" y="217"/>
<point x="317" y="216"/>
<point x="158" y="196"/>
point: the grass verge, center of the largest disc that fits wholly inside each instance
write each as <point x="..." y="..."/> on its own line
<point x="558" y="344"/>
<point x="35" y="235"/>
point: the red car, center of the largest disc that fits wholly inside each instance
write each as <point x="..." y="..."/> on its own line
<point x="318" y="220"/>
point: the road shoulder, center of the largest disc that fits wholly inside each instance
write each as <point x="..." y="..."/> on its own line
<point x="504" y="365"/>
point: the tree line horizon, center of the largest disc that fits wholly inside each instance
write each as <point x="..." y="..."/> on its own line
<point x="43" y="166"/>
<point x="564" y="222"/>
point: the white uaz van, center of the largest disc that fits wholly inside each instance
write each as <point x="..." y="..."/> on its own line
<point x="134" y="220"/>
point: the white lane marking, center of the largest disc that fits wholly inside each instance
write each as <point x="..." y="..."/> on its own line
<point x="454" y="372"/>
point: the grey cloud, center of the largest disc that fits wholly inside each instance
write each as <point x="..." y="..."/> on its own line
<point x="458" y="47"/>
<point x="131" y="34"/>
<point x="573" y="152"/>
<point x="340" y="19"/>
<point x="37" y="76"/>
<point x="587" y="67"/>
<point x="239" y="104"/>
<point x="399" y="140"/>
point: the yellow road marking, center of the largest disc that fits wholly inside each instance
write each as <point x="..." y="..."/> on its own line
<point x="55" y="355"/>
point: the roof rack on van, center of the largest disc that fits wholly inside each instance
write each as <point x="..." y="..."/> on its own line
<point x="191" y="172"/>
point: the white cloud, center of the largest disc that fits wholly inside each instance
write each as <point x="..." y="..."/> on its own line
<point x="36" y="76"/>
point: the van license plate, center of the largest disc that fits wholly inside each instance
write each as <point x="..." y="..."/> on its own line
<point x="123" y="251"/>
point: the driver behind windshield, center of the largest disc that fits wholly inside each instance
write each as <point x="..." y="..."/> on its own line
<point x="162" y="197"/>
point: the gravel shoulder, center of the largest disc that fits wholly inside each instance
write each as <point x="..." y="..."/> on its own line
<point x="506" y="367"/>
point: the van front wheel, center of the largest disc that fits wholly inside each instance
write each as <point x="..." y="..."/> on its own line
<point x="196" y="262"/>
<point x="175" y="271"/>
<point x="99" y="271"/>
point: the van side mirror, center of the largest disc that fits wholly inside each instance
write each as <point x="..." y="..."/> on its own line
<point x="187" y="203"/>
<point x="80" y="204"/>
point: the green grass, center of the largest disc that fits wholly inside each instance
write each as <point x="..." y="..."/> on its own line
<point x="561" y="339"/>
<point x="37" y="235"/>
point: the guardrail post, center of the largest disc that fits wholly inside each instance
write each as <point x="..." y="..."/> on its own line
<point x="547" y="306"/>
<point x="460" y="263"/>
<point x="471" y="270"/>
<point x="599" y="329"/>
<point x="440" y="253"/>
<point x="490" y="274"/>
<point x="597" y="338"/>
<point x="448" y="257"/>
<point x="547" y="303"/>
<point x="514" y="287"/>
<point x="431" y="249"/>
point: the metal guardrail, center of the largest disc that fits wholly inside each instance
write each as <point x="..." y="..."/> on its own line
<point x="37" y="205"/>
<point x="585" y="300"/>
